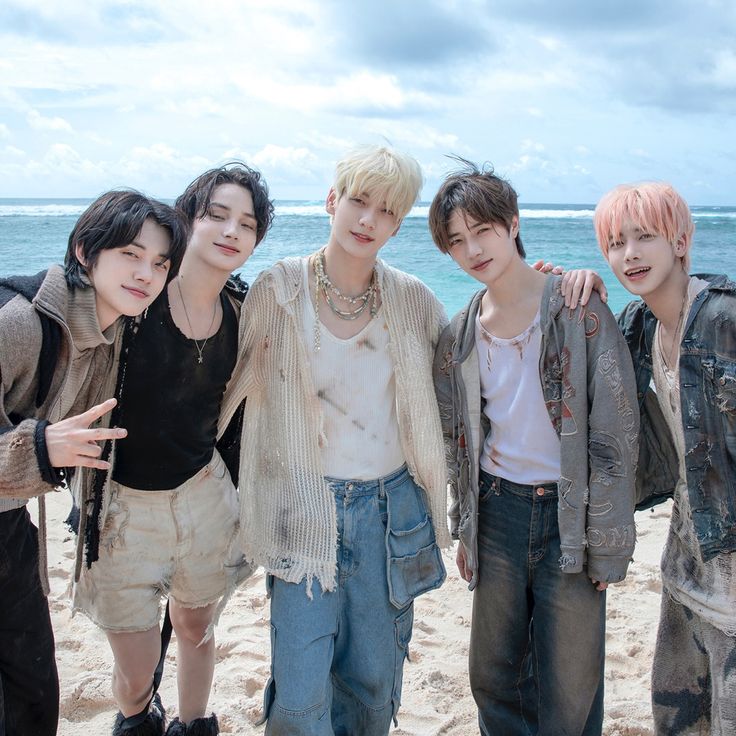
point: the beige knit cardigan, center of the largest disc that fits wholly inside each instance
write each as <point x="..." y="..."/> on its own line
<point x="288" y="517"/>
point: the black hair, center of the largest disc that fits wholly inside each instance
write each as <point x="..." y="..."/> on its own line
<point x="197" y="196"/>
<point x="114" y="220"/>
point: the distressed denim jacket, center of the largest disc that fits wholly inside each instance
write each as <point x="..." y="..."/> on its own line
<point x="708" y="403"/>
<point x="589" y="389"/>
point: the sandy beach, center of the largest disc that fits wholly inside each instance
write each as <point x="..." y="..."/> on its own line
<point x="436" y="696"/>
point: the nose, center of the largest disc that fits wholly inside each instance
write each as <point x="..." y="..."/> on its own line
<point x="631" y="249"/>
<point x="230" y="228"/>
<point x="144" y="272"/>
<point x="368" y="217"/>
<point x="473" y="248"/>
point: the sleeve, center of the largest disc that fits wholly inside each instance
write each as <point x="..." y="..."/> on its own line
<point x="441" y="372"/>
<point x="613" y="426"/>
<point x="25" y="470"/>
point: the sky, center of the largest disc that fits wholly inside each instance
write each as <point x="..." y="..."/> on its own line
<point x="566" y="98"/>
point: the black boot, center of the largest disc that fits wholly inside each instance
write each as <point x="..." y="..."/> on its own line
<point x="153" y="725"/>
<point x="197" y="727"/>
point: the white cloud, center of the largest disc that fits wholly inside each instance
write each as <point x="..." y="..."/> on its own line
<point x="39" y="122"/>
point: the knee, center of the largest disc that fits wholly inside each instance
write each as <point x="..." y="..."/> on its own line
<point x="191" y="624"/>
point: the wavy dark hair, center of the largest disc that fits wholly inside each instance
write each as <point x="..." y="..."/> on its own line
<point x="196" y="198"/>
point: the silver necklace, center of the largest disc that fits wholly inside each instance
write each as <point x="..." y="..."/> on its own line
<point x="200" y="350"/>
<point x="360" y="302"/>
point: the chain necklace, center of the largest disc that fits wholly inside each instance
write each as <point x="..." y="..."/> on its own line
<point x="360" y="303"/>
<point x="200" y="350"/>
<point x="671" y="362"/>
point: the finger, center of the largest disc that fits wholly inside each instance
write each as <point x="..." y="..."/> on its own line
<point x="558" y="271"/>
<point x="105" y="433"/>
<point x="537" y="265"/>
<point x="90" y="462"/>
<point x="575" y="290"/>
<point x="93" y="414"/>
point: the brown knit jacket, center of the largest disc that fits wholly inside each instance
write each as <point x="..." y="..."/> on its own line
<point x="20" y="349"/>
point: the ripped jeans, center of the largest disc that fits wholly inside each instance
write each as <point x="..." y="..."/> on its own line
<point x="338" y="657"/>
<point x="538" y="634"/>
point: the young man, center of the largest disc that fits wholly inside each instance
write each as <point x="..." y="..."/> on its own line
<point x="58" y="340"/>
<point x="342" y="482"/>
<point x="539" y="409"/>
<point x="682" y="337"/>
<point x="163" y="522"/>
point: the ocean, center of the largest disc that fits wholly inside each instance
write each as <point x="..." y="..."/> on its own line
<point x="34" y="233"/>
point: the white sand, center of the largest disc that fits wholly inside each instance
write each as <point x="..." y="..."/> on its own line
<point x="436" y="696"/>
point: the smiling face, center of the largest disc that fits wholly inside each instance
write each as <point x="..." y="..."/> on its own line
<point x="129" y="278"/>
<point x="361" y="224"/>
<point x="644" y="261"/>
<point x="224" y="235"/>
<point x="484" y="250"/>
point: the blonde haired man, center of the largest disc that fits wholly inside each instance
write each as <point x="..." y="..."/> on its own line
<point x="342" y="476"/>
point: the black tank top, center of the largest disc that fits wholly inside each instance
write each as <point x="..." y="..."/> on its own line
<point x="170" y="402"/>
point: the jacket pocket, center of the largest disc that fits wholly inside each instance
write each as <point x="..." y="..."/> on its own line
<point x="414" y="562"/>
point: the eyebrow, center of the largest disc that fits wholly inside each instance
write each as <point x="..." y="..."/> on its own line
<point x="166" y="256"/>
<point x="249" y="215"/>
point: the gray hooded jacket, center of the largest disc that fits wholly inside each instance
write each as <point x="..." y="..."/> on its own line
<point x="589" y="388"/>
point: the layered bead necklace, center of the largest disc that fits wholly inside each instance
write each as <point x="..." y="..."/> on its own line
<point x="358" y="304"/>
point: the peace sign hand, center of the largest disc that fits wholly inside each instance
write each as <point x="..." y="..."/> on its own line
<point x="71" y="443"/>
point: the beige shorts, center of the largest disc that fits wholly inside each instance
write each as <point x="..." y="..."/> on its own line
<point x="174" y="543"/>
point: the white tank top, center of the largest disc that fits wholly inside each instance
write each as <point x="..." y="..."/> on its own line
<point x="522" y="445"/>
<point x="354" y="380"/>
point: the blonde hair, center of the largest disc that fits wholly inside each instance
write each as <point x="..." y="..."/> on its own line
<point x="383" y="173"/>
<point x="652" y="206"/>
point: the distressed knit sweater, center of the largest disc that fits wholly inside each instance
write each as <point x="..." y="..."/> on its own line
<point x="85" y="357"/>
<point x="288" y="515"/>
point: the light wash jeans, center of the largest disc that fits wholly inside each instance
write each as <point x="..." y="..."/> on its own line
<point x="538" y="634"/>
<point x="337" y="658"/>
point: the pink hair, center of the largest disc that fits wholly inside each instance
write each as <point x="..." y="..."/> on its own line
<point x="654" y="207"/>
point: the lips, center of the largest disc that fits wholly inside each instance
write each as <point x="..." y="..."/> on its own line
<point x="637" y="273"/>
<point x="139" y="293"/>
<point x="228" y="249"/>
<point x="365" y="239"/>
<point x="480" y="266"/>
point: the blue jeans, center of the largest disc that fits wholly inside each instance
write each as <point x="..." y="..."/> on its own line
<point x="537" y="641"/>
<point x="338" y="657"/>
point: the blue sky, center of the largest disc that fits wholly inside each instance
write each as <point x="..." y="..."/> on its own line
<point x="566" y="98"/>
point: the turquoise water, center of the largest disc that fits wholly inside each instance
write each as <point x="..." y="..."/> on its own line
<point x="34" y="232"/>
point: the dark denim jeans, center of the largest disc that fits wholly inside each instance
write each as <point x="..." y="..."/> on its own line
<point x="537" y="641"/>
<point x="338" y="657"/>
<point x="29" y="687"/>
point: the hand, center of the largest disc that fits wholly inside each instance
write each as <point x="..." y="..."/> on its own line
<point x="543" y="267"/>
<point x="70" y="443"/>
<point x="578" y="284"/>
<point x="462" y="563"/>
<point x="599" y="585"/>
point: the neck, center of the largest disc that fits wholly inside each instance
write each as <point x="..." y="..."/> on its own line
<point x="668" y="301"/>
<point x="200" y="287"/>
<point x="349" y="274"/>
<point x="517" y="284"/>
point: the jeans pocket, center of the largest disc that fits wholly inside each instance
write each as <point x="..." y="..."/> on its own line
<point x="485" y="488"/>
<point x="414" y="562"/>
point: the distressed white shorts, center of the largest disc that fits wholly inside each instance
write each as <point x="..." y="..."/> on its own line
<point x="176" y="543"/>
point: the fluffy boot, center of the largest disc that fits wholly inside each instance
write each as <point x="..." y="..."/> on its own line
<point x="152" y="726"/>
<point x="197" y="727"/>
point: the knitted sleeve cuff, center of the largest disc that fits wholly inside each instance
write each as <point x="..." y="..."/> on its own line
<point x="54" y="476"/>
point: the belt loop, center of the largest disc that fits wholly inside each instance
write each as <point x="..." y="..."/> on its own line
<point x="381" y="489"/>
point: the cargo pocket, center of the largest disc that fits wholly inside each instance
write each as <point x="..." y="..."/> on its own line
<point x="414" y="562"/>
<point x="402" y="629"/>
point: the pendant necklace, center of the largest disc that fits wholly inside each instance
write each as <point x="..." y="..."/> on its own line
<point x="200" y="350"/>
